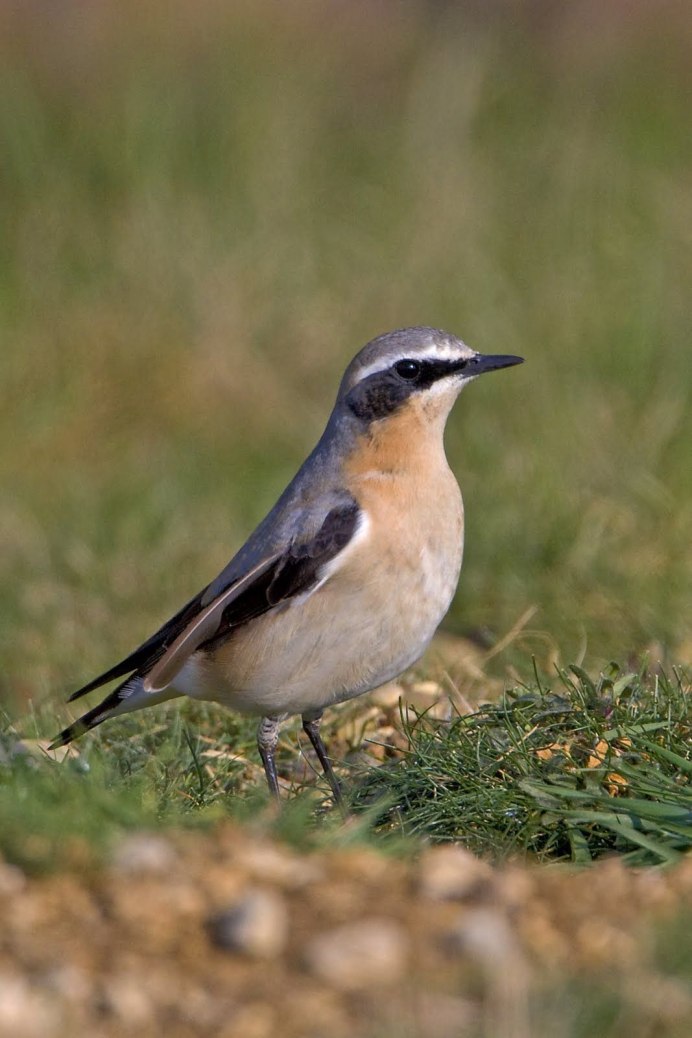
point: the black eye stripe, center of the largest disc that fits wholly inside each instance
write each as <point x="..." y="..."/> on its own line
<point x="381" y="393"/>
<point x="425" y="372"/>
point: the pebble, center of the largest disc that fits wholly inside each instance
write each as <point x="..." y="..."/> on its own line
<point x="485" y="935"/>
<point x="69" y="982"/>
<point x="144" y="852"/>
<point x="23" y="1012"/>
<point x="12" y="880"/>
<point x="452" y="874"/>
<point x="274" y="865"/>
<point x="423" y="693"/>
<point x="359" y="955"/>
<point x="387" y="696"/>
<point x="125" y="998"/>
<point x="256" y="925"/>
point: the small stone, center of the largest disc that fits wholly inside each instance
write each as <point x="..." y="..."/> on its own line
<point x="485" y="937"/>
<point x="126" y="999"/>
<point x="256" y="926"/>
<point x="439" y="710"/>
<point x="69" y="982"/>
<point x="424" y="691"/>
<point x="452" y="874"/>
<point x="12" y="880"/>
<point x="277" y="866"/>
<point x="429" y="698"/>
<point x="359" y="955"/>
<point x="144" y="852"/>
<point x="387" y="696"/>
<point x="485" y="934"/>
<point x="516" y="886"/>
<point x="12" y="748"/>
<point x="23" y="1012"/>
<point x="380" y="745"/>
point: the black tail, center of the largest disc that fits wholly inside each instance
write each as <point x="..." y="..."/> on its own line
<point x="92" y="718"/>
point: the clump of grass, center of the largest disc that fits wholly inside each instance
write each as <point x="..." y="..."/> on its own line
<point x="55" y="815"/>
<point x="588" y="769"/>
<point x="572" y="773"/>
<point x="146" y="772"/>
<point x="168" y="768"/>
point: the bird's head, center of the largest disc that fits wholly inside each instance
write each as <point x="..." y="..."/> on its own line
<point x="412" y="369"/>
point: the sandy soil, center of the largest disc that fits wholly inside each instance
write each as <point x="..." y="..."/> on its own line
<point x="228" y="933"/>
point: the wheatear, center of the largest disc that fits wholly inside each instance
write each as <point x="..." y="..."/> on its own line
<point x="343" y="584"/>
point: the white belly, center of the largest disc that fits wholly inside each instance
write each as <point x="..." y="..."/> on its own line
<point x="364" y="626"/>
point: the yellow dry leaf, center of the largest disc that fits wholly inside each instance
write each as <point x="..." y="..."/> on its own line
<point x="598" y="754"/>
<point x="615" y="783"/>
<point x="548" y="752"/>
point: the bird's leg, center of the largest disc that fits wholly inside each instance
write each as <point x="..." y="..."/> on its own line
<point x="267" y="738"/>
<point x="311" y="726"/>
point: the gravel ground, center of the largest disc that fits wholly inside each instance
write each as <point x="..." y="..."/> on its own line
<point x="228" y="933"/>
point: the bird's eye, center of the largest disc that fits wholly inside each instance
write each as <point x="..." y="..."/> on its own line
<point x="409" y="370"/>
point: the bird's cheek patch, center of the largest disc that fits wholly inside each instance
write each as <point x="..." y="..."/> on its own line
<point x="377" y="397"/>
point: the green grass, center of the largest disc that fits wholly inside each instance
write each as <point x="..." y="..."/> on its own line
<point x="575" y="773"/>
<point x="166" y="768"/>
<point x="586" y="770"/>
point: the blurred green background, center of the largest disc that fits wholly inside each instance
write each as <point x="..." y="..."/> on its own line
<point x="206" y="209"/>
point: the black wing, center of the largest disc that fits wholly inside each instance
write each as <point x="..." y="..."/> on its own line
<point x="199" y="624"/>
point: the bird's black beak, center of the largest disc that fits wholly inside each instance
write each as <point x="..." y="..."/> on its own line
<point x="481" y="363"/>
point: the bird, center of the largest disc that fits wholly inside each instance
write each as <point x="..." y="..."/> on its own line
<point x="343" y="584"/>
